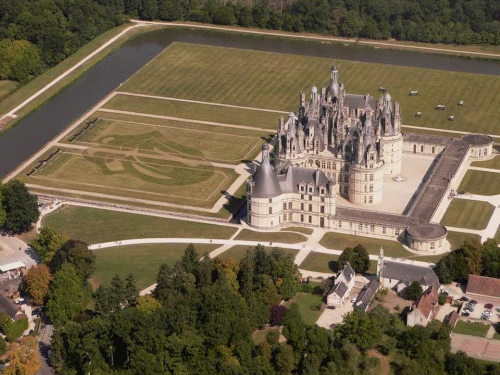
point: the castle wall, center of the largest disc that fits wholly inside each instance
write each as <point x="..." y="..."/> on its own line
<point x="422" y="148"/>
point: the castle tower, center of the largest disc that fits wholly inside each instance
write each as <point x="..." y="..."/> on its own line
<point x="389" y="123"/>
<point x="334" y="88"/>
<point x="366" y="170"/>
<point x="264" y="206"/>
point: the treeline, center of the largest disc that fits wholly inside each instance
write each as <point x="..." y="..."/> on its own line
<point x="201" y="317"/>
<point x="38" y="34"/>
<point x="442" y="21"/>
<point x="471" y="257"/>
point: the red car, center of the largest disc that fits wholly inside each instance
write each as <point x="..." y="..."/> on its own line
<point x="488" y="306"/>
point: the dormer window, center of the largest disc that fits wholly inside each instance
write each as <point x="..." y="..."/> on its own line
<point x="310" y="189"/>
<point x="322" y="191"/>
<point x="302" y="188"/>
<point x="372" y="157"/>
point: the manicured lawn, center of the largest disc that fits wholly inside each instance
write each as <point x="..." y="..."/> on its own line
<point x="496" y="336"/>
<point x="492" y="163"/>
<point x="96" y="226"/>
<point x="143" y="261"/>
<point x="283" y="237"/>
<point x="471" y="328"/>
<point x="273" y="80"/>
<point x="303" y="230"/>
<point x="237" y="253"/>
<point x="338" y="241"/>
<point x="328" y="263"/>
<point x="481" y="183"/>
<point x="427" y="258"/>
<point x="195" y="111"/>
<point x="464" y="213"/>
<point x="456" y="239"/>
<point x="497" y="235"/>
<point x="308" y="306"/>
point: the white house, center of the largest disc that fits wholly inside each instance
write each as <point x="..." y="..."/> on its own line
<point x="344" y="282"/>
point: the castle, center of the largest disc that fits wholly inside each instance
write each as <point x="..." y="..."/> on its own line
<point x="344" y="144"/>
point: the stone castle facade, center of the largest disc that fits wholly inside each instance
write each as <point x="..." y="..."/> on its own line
<point x="341" y="144"/>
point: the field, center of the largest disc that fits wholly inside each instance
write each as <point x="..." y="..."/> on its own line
<point x="6" y="87"/>
<point x="309" y="306"/>
<point x="327" y="263"/>
<point x="237" y="253"/>
<point x="96" y="226"/>
<point x="481" y="183"/>
<point x="142" y="261"/>
<point x="492" y="163"/>
<point x="284" y="237"/>
<point x="464" y="213"/>
<point x="456" y="239"/>
<point x="338" y="241"/>
<point x="471" y="328"/>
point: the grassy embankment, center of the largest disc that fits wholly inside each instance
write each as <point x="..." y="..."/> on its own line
<point x="481" y="183"/>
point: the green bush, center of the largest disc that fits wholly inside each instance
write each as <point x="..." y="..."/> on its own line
<point x="16" y="329"/>
<point x="3" y="346"/>
<point x="442" y="299"/>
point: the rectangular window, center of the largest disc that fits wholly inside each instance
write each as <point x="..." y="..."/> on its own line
<point x="350" y="225"/>
<point x="322" y="191"/>
<point x="360" y="226"/>
<point x="310" y="219"/>
<point x="364" y="198"/>
<point x="340" y="224"/>
<point x="370" y="199"/>
<point x="371" y="189"/>
<point x="322" y="209"/>
<point x="366" y="177"/>
<point x="289" y="205"/>
<point x="372" y="228"/>
<point x="322" y="199"/>
<point x="371" y="176"/>
<point x="310" y="207"/>
<point x="396" y="232"/>
<point x="302" y="218"/>
<point x="433" y="245"/>
<point x="284" y="206"/>
<point x="433" y="150"/>
<point x="290" y="217"/>
<point x="270" y="200"/>
<point x="310" y="197"/>
<point x="384" y="230"/>
<point x="440" y="243"/>
<point x="302" y="206"/>
<point x="346" y="189"/>
<point x="366" y="188"/>
<point x="270" y="210"/>
<point x="302" y="196"/>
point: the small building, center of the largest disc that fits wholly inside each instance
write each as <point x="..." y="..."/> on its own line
<point x="422" y="310"/>
<point x="453" y="319"/>
<point x="344" y="282"/>
<point x="367" y="293"/>
<point x="10" y="308"/>
<point x="12" y="270"/>
<point x="482" y="287"/>
<point x="398" y="275"/>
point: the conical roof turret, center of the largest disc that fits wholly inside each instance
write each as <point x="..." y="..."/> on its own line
<point x="265" y="181"/>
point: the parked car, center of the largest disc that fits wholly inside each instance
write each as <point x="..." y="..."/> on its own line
<point x="445" y="291"/>
<point x="485" y="317"/>
<point x="464" y="298"/>
<point x="489" y="306"/>
<point x="353" y="300"/>
<point x="465" y="313"/>
<point x="487" y="312"/>
<point x="473" y="301"/>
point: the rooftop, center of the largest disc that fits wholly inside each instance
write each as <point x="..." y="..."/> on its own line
<point x="427" y="231"/>
<point x="427" y="301"/>
<point x="486" y="286"/>
<point x="12" y="266"/>
<point x="477" y="139"/>
<point x="427" y="138"/>
<point x="407" y="272"/>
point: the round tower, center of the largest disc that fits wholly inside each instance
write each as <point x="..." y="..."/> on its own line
<point x="264" y="206"/>
<point x="391" y="141"/>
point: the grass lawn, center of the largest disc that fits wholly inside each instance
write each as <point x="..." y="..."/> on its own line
<point x="481" y="183"/>
<point x="6" y="87"/>
<point x="328" y="263"/>
<point x="195" y="111"/>
<point x="273" y="81"/>
<point x="95" y="226"/>
<point x="496" y="336"/>
<point x="456" y="239"/>
<point x="308" y="306"/>
<point x="464" y="213"/>
<point x="338" y="241"/>
<point x="237" y="253"/>
<point x="427" y="258"/>
<point x="283" y="237"/>
<point x="303" y="230"/>
<point x="143" y="261"/>
<point x="497" y="235"/>
<point x="471" y="328"/>
<point x="492" y="163"/>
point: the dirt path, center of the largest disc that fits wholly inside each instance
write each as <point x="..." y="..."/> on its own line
<point x="385" y="367"/>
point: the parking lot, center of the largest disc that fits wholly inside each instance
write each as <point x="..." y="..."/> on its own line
<point x="479" y="310"/>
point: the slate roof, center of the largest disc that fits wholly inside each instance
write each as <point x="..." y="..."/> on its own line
<point x="477" y="139"/>
<point x="359" y="101"/>
<point x="427" y="138"/>
<point x="290" y="180"/>
<point x="348" y="272"/>
<point x="427" y="302"/>
<point x="265" y="182"/>
<point x="367" y="293"/>
<point x="339" y="289"/>
<point x="9" y="307"/>
<point x="427" y="231"/>
<point x="375" y="217"/>
<point x="486" y="286"/>
<point x="408" y="273"/>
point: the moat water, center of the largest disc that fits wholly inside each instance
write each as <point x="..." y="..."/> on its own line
<point x="42" y="125"/>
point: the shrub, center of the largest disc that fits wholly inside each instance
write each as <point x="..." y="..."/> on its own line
<point x="3" y="346"/>
<point x="442" y="299"/>
<point x="384" y="349"/>
<point x="272" y="337"/>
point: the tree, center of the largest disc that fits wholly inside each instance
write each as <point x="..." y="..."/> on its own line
<point x="36" y="283"/>
<point x="357" y="257"/>
<point x="76" y="253"/>
<point x="147" y="304"/>
<point x="360" y="329"/>
<point x="284" y="360"/>
<point x="165" y="291"/>
<point x="47" y="242"/>
<point x="24" y="358"/>
<point x="413" y="291"/>
<point x="66" y="295"/>
<point x="20" y="206"/>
